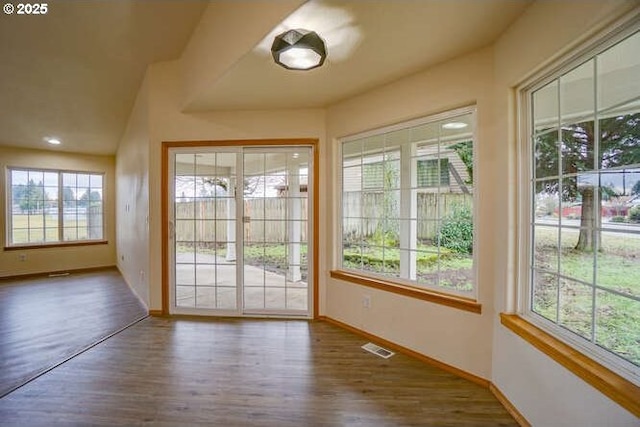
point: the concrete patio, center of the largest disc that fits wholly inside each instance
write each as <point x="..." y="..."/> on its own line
<point x="209" y="282"/>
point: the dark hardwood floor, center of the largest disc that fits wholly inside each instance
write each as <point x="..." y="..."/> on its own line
<point x="244" y="372"/>
<point x="45" y="320"/>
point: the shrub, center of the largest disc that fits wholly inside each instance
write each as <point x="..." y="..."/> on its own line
<point x="457" y="230"/>
<point x="618" y="218"/>
<point x="634" y="214"/>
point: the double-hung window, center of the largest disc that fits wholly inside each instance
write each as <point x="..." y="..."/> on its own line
<point x="582" y="216"/>
<point x="407" y="203"/>
<point x="54" y="207"/>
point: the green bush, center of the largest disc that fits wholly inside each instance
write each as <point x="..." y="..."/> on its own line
<point x="634" y="214"/>
<point x="457" y="230"/>
<point x="618" y="218"/>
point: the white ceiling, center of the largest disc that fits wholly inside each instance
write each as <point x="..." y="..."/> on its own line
<point x="369" y="43"/>
<point x="74" y="73"/>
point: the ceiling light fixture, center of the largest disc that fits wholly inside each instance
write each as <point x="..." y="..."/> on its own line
<point x="299" y="50"/>
<point x="455" y="125"/>
<point x="53" y="141"/>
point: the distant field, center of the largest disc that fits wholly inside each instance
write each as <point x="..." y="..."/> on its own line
<point x="44" y="228"/>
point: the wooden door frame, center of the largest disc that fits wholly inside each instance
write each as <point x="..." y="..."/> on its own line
<point x="167" y="145"/>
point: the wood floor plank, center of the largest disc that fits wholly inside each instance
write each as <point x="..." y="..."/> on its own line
<point x="48" y="319"/>
<point x="178" y="372"/>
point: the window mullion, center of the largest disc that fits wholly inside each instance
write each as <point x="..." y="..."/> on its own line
<point x="384" y="220"/>
<point x="408" y="215"/>
<point x="440" y="207"/>
<point x="560" y="193"/>
<point x="596" y="198"/>
<point x="531" y="224"/>
<point x="60" y="207"/>
<point x="9" y="230"/>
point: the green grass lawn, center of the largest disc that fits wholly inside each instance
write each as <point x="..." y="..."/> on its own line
<point x="445" y="268"/>
<point x="616" y="267"/>
<point x="44" y="228"/>
<point x="617" y="263"/>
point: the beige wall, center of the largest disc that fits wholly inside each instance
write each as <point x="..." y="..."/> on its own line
<point x="465" y="342"/>
<point x="544" y="392"/>
<point x="132" y="207"/>
<point x="59" y="258"/>
<point x="168" y="123"/>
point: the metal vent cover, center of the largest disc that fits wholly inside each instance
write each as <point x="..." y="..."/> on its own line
<point x="377" y="350"/>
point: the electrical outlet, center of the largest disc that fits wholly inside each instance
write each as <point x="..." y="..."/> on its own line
<point x="22" y="257"/>
<point x="366" y="301"/>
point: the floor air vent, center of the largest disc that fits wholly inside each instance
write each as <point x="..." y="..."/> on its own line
<point x="377" y="350"/>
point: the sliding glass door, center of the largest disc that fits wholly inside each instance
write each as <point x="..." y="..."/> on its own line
<point x="239" y="230"/>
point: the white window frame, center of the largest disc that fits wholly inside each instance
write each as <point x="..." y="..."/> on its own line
<point x="405" y="283"/>
<point x="10" y="244"/>
<point x="585" y="52"/>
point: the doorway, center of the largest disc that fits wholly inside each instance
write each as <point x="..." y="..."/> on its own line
<point x="240" y="238"/>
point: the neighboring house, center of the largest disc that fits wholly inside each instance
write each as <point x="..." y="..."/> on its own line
<point x="452" y="173"/>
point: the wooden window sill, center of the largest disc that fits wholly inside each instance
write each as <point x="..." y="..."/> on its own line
<point x="454" y="301"/>
<point x="612" y="385"/>
<point x="56" y="245"/>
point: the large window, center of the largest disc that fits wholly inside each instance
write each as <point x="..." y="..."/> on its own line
<point x="407" y="200"/>
<point x="584" y="209"/>
<point x="49" y="207"/>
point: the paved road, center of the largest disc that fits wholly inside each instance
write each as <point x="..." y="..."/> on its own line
<point x="630" y="230"/>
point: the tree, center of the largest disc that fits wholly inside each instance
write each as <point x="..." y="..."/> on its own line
<point x="389" y="221"/>
<point x="215" y="182"/>
<point x="210" y="186"/>
<point x="608" y="192"/>
<point x="67" y="194"/>
<point x="32" y="198"/>
<point x="635" y="190"/>
<point x="464" y="150"/>
<point x="619" y="145"/>
<point x="18" y="193"/>
<point x="381" y="178"/>
<point x="251" y="184"/>
<point x="88" y="198"/>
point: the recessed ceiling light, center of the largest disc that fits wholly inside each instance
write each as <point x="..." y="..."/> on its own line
<point x="455" y="125"/>
<point x="53" y="141"/>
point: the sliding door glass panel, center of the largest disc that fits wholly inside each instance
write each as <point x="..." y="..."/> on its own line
<point x="205" y="221"/>
<point x="275" y="230"/>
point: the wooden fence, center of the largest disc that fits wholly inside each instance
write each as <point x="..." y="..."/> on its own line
<point x="207" y="221"/>
<point x="361" y="211"/>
